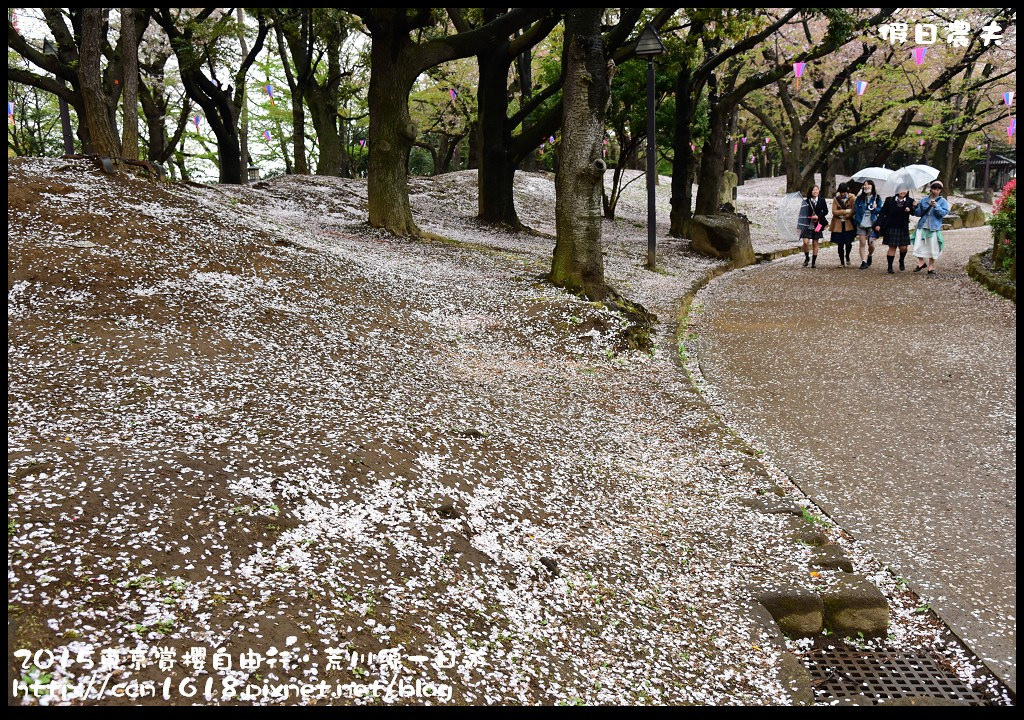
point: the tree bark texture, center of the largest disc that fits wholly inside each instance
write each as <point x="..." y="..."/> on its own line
<point x="392" y="131"/>
<point x="102" y="133"/>
<point x="578" y="264"/>
<point x="130" y="102"/>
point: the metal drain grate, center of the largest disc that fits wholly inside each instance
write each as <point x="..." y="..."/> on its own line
<point x="885" y="676"/>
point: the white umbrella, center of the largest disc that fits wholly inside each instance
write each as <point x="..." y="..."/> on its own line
<point x="912" y="177"/>
<point x="880" y="176"/>
<point x="787" y="217"/>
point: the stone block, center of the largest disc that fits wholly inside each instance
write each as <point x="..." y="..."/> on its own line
<point x="729" y="182"/>
<point x="970" y="214"/>
<point x="830" y="557"/>
<point x="725" y="236"/>
<point x="797" y="611"/>
<point x="853" y="606"/>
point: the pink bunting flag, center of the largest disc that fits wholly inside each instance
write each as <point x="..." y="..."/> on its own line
<point x="551" y="139"/>
<point x="918" y="132"/>
<point x="766" y="140"/>
<point x="922" y="142"/>
<point x="1008" y="98"/>
<point x="919" y="55"/>
<point x="798" y="70"/>
<point x="196" y="121"/>
<point x="735" y="147"/>
<point x="744" y="139"/>
<point x="362" y="143"/>
<point x="452" y="93"/>
<point x="266" y="134"/>
<point x="1011" y="128"/>
<point x="693" y="148"/>
<point x="862" y="85"/>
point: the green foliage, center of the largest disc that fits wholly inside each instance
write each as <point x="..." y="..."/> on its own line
<point x="1004" y="225"/>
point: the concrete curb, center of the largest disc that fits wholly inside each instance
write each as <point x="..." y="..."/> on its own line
<point x="979" y="273"/>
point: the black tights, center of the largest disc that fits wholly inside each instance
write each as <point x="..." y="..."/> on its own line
<point x="844" y="249"/>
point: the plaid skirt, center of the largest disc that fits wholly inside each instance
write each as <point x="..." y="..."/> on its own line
<point x="896" y="237"/>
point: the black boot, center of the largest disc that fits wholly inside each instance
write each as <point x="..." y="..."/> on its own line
<point x="890" y="258"/>
<point x="903" y="257"/>
<point x="807" y="259"/>
<point x="814" y="261"/>
<point x="869" y="259"/>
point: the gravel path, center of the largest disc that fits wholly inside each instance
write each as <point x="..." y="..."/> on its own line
<point x="890" y="400"/>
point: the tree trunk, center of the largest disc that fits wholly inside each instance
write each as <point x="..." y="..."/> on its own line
<point x="130" y="51"/>
<point x="243" y="136"/>
<point x="299" y="134"/>
<point x="578" y="264"/>
<point x="103" y="138"/>
<point x="332" y="149"/>
<point x="495" y="168"/>
<point x="682" y="158"/>
<point x="712" y="167"/>
<point x="392" y="133"/>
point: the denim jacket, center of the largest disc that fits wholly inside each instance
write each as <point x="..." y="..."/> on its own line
<point x="931" y="214"/>
<point x="862" y="204"/>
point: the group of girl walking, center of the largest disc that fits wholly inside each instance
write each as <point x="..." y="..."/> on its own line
<point x="866" y="217"/>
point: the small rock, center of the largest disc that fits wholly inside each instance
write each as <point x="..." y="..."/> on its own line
<point x="773" y="506"/>
<point x="855" y="606"/>
<point x="82" y="244"/>
<point x="797" y="611"/>
<point x="831" y="557"/>
<point x="797" y="679"/>
<point x="472" y="433"/>
<point x="447" y="509"/>
<point x="551" y="564"/>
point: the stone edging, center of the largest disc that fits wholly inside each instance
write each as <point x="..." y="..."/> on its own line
<point x="980" y="274"/>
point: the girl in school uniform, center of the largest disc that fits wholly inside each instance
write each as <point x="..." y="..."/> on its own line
<point x="842" y="225"/>
<point x="928" y="241"/>
<point x="865" y="212"/>
<point x="894" y="224"/>
<point x="813" y="213"/>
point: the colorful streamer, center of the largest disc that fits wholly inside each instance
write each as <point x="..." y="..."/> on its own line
<point x="798" y="70"/>
<point x="452" y="93"/>
<point x="919" y="55"/>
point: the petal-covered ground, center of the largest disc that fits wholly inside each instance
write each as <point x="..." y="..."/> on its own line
<point x="241" y="423"/>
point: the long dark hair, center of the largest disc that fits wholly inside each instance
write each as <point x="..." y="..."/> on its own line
<point x="874" y="190"/>
<point x="810" y="190"/>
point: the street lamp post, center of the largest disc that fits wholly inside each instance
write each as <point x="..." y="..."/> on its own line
<point x="987" y="192"/>
<point x="649" y="45"/>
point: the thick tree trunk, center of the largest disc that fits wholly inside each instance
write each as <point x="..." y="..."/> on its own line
<point x="332" y="149"/>
<point x="682" y="157"/>
<point x="495" y="167"/>
<point x="299" y="134"/>
<point x="712" y="166"/>
<point x="103" y="138"/>
<point x="130" y="51"/>
<point x="392" y="134"/>
<point x="578" y="264"/>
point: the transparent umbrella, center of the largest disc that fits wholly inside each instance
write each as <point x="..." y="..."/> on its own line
<point x="912" y="177"/>
<point x="880" y="176"/>
<point x="788" y="217"/>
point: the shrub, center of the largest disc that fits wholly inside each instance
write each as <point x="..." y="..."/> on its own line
<point x="1004" y="225"/>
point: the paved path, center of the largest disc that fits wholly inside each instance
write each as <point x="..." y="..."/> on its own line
<point x="891" y="400"/>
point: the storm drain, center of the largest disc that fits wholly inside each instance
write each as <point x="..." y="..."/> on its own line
<point x="885" y="676"/>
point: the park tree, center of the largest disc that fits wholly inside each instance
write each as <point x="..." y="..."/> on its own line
<point x="84" y="69"/>
<point x="200" y="43"/>
<point x="578" y="264"/>
<point x="396" y="60"/>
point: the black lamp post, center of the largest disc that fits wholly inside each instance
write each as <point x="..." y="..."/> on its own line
<point x="649" y="45"/>
<point x="65" y="115"/>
